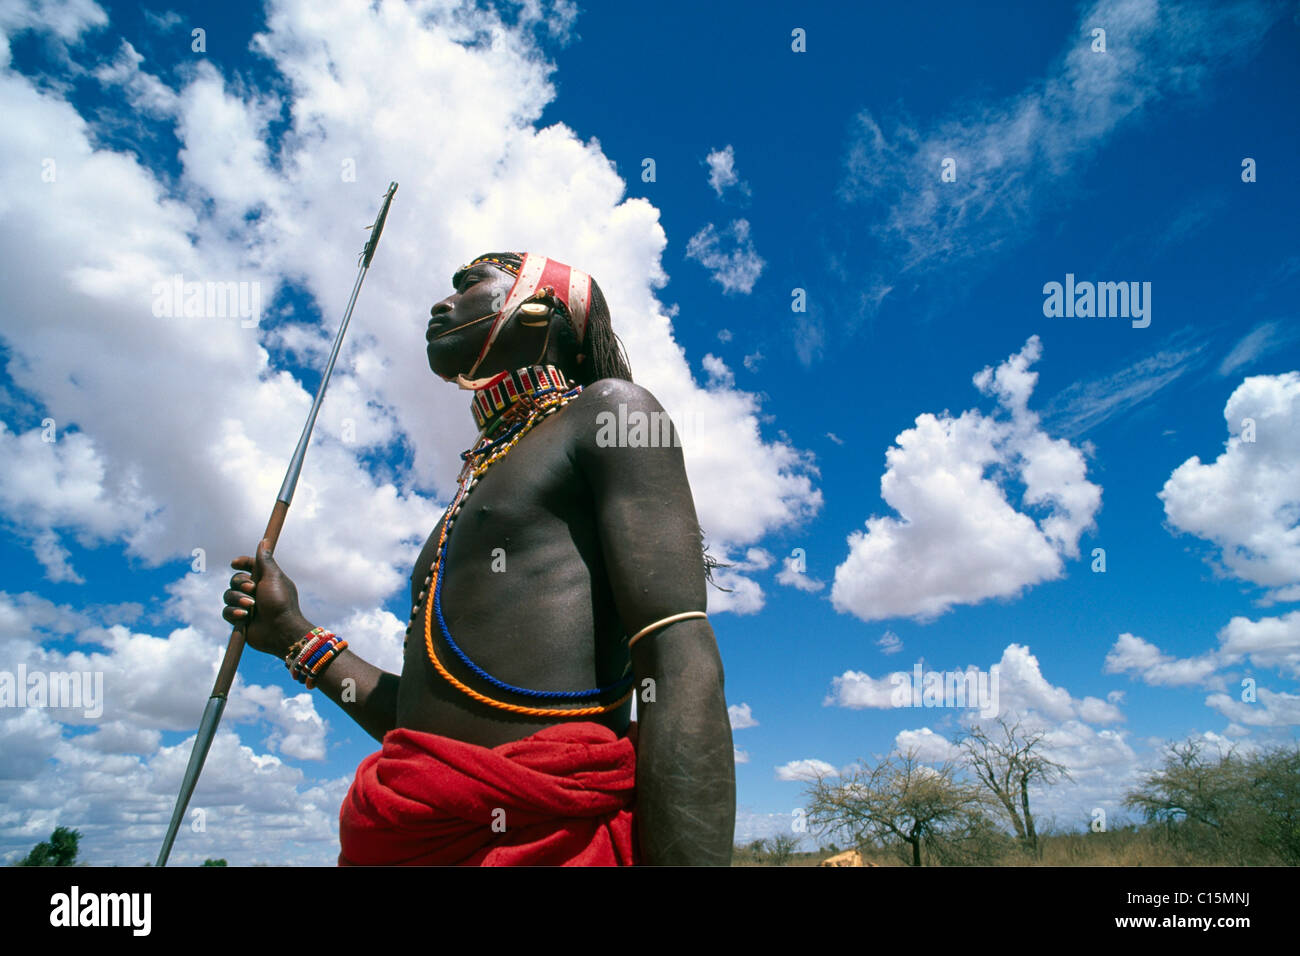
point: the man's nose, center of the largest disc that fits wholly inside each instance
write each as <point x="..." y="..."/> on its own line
<point x="440" y="308"/>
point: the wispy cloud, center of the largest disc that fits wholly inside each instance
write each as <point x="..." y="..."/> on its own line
<point x="162" y="22"/>
<point x="729" y="255"/>
<point x="1086" y="404"/>
<point x="722" y="171"/>
<point x="810" y="335"/>
<point x="793" y="574"/>
<point x="1254" y="345"/>
<point x="1010" y="156"/>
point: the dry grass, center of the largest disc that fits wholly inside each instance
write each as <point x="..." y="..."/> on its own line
<point x="1130" y="846"/>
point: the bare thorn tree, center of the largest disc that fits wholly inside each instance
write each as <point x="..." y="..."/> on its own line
<point x="780" y="848"/>
<point x="1008" y="762"/>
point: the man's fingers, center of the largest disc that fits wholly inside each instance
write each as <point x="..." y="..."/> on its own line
<point x="244" y="563"/>
<point x="264" y="559"/>
<point x="235" y="598"/>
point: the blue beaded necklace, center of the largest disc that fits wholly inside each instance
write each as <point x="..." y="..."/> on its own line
<point x="544" y="401"/>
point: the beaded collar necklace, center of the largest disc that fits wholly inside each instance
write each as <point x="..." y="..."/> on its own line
<point x="502" y="394"/>
<point x="519" y="401"/>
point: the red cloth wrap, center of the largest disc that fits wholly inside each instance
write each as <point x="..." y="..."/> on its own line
<point x="427" y="800"/>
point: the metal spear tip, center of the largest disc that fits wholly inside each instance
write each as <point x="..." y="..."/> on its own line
<point x="377" y="226"/>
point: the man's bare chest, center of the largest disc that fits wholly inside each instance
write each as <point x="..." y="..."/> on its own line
<point x="520" y="582"/>
<point x="528" y="514"/>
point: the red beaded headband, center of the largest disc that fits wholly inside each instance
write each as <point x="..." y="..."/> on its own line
<point x="538" y="275"/>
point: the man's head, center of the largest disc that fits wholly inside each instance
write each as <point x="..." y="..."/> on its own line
<point x="508" y="310"/>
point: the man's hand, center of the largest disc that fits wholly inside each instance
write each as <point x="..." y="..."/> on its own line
<point x="266" y="601"/>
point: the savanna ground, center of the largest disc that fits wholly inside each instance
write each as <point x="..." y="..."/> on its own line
<point x="1125" y="846"/>
<point x="1199" y="808"/>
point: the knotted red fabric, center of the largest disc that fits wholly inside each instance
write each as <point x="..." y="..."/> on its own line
<point x="562" y="797"/>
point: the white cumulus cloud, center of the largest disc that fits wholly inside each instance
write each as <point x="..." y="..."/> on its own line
<point x="741" y="717"/>
<point x="926" y="744"/>
<point x="959" y="538"/>
<point x="1247" y="501"/>
<point x="804" y="770"/>
<point x="188" y="456"/>
<point x="1270" y="642"/>
<point x="1132" y="654"/>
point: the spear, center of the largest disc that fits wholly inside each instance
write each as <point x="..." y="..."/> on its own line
<point x="226" y="675"/>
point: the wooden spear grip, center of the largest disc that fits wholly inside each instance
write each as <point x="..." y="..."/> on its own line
<point x="235" y="649"/>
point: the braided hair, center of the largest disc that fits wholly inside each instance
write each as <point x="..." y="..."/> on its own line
<point x="601" y="347"/>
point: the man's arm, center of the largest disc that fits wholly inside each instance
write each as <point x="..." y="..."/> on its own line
<point x="367" y="694"/>
<point x="686" y="788"/>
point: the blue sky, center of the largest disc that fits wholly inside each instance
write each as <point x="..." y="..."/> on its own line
<point x="957" y="516"/>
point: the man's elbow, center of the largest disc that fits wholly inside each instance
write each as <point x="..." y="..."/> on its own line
<point x="697" y="687"/>
<point x="685" y="672"/>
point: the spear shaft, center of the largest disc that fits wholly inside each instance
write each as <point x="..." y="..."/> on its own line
<point x="230" y="662"/>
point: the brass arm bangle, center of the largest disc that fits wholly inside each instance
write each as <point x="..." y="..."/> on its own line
<point x="663" y="622"/>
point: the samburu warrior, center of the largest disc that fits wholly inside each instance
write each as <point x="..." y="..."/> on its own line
<point x="565" y="577"/>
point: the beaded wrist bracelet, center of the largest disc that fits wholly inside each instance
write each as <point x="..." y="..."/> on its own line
<point x="309" y="657"/>
<point x="298" y="645"/>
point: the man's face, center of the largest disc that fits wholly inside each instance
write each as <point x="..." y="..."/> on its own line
<point x="461" y="322"/>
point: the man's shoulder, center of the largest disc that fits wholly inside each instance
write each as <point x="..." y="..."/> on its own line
<point x="608" y="414"/>
<point x="608" y="394"/>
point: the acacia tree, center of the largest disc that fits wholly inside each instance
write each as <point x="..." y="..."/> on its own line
<point x="904" y="801"/>
<point x="59" y="850"/>
<point x="1007" y="762"/>
<point x="780" y="848"/>
<point x="1275" y="791"/>
<point x="1242" y="807"/>
<point x="1190" y="787"/>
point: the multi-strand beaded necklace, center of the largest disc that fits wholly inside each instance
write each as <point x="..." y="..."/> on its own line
<point x="506" y="408"/>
